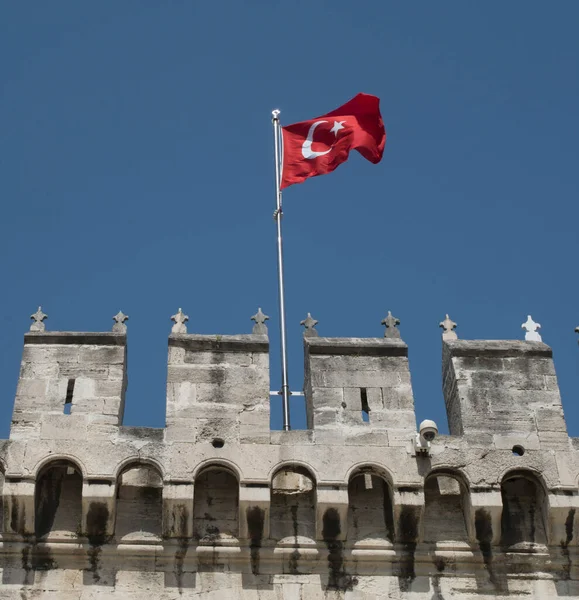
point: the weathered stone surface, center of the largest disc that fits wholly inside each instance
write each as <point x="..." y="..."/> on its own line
<point x="215" y="505"/>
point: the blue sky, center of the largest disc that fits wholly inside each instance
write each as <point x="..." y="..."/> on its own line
<point x="136" y="173"/>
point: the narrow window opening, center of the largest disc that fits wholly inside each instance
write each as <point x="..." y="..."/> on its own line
<point x="365" y="407"/>
<point x="69" y="395"/>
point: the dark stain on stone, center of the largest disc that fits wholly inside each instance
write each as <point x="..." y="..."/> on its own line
<point x="440" y="564"/>
<point x="96" y="528"/>
<point x="408" y="529"/>
<point x="338" y="578"/>
<point x="388" y="513"/>
<point x="295" y="555"/>
<point x="47" y="499"/>
<point x="255" y="521"/>
<point x="180" y="520"/>
<point x="484" y="535"/>
<point x="41" y="559"/>
<point x="17" y="517"/>
<point x="569" y="521"/>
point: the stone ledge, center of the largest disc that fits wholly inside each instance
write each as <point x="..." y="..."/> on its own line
<point x="220" y="343"/>
<point x="356" y="346"/>
<point x="498" y="348"/>
<point x="76" y="338"/>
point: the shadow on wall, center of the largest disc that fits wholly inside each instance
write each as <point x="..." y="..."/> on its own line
<point x="446" y="510"/>
<point x="370" y="515"/>
<point x="523" y="523"/>
<point x="216" y="506"/>
<point x="293" y="506"/>
<point x="58" y="500"/>
<point x="139" y="503"/>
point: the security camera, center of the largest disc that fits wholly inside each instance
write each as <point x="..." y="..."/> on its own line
<point x="426" y="434"/>
<point x="428" y="430"/>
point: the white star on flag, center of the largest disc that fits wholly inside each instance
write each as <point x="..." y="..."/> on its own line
<point x="337" y="126"/>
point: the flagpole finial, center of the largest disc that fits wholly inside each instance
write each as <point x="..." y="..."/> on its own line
<point x="275" y="114"/>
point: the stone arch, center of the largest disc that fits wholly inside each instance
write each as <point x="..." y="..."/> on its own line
<point x="70" y="458"/>
<point x="376" y="468"/>
<point x="370" y="512"/>
<point x="216" y="504"/>
<point x="211" y="463"/>
<point x="525" y="510"/>
<point x="58" y="499"/>
<point x="293" y="505"/>
<point x="446" y="507"/>
<point x="139" y="502"/>
<point x="134" y="461"/>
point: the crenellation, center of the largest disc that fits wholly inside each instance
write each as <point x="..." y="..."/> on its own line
<point x="216" y="505"/>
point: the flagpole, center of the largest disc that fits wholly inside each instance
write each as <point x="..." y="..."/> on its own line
<point x="285" y="390"/>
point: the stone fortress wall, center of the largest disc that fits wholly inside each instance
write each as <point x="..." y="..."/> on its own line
<point x="216" y="506"/>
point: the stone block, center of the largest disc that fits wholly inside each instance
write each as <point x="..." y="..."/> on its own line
<point x="551" y="419"/>
<point x="398" y="398"/>
<point x="89" y="371"/>
<point x="394" y="419"/>
<point x="107" y="389"/>
<point x="206" y="430"/>
<point x="63" y="427"/>
<point x="32" y="388"/>
<point x="218" y="358"/>
<point x="328" y="398"/>
<point x="359" y="379"/>
<point x="325" y="418"/>
<point x="506" y="441"/>
<point x="180" y="430"/>
<point x="554" y="440"/>
<point x="102" y="355"/>
<point x="372" y="437"/>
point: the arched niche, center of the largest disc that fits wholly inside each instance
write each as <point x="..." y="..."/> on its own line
<point x="293" y="505"/>
<point x="139" y="503"/>
<point x="58" y="500"/>
<point x="216" y="505"/>
<point x="446" y="508"/>
<point x="524" y="516"/>
<point x="370" y="514"/>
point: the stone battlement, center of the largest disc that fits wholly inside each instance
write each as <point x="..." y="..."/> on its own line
<point x="356" y="504"/>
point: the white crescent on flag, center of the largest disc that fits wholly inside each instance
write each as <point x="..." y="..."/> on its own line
<point x="307" y="151"/>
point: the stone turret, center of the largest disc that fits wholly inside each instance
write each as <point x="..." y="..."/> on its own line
<point x="71" y="385"/>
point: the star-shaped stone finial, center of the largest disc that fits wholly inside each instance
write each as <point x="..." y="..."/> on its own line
<point x="38" y="318"/>
<point x="180" y="319"/>
<point x="531" y="333"/>
<point x="448" y="325"/>
<point x="309" y="323"/>
<point x="119" y="319"/>
<point x="260" y="328"/>
<point x="390" y="323"/>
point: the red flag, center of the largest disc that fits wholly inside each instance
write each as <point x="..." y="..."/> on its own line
<point x="318" y="146"/>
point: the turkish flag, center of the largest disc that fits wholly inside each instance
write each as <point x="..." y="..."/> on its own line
<point x="318" y="146"/>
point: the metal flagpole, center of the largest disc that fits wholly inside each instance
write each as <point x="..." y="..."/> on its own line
<point x="285" y="390"/>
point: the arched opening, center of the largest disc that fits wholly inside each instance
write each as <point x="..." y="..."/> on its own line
<point x="139" y="503"/>
<point x="58" y="500"/>
<point x="293" y="505"/>
<point x="370" y="514"/>
<point x="523" y="522"/>
<point x="216" y="505"/>
<point x="445" y="508"/>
